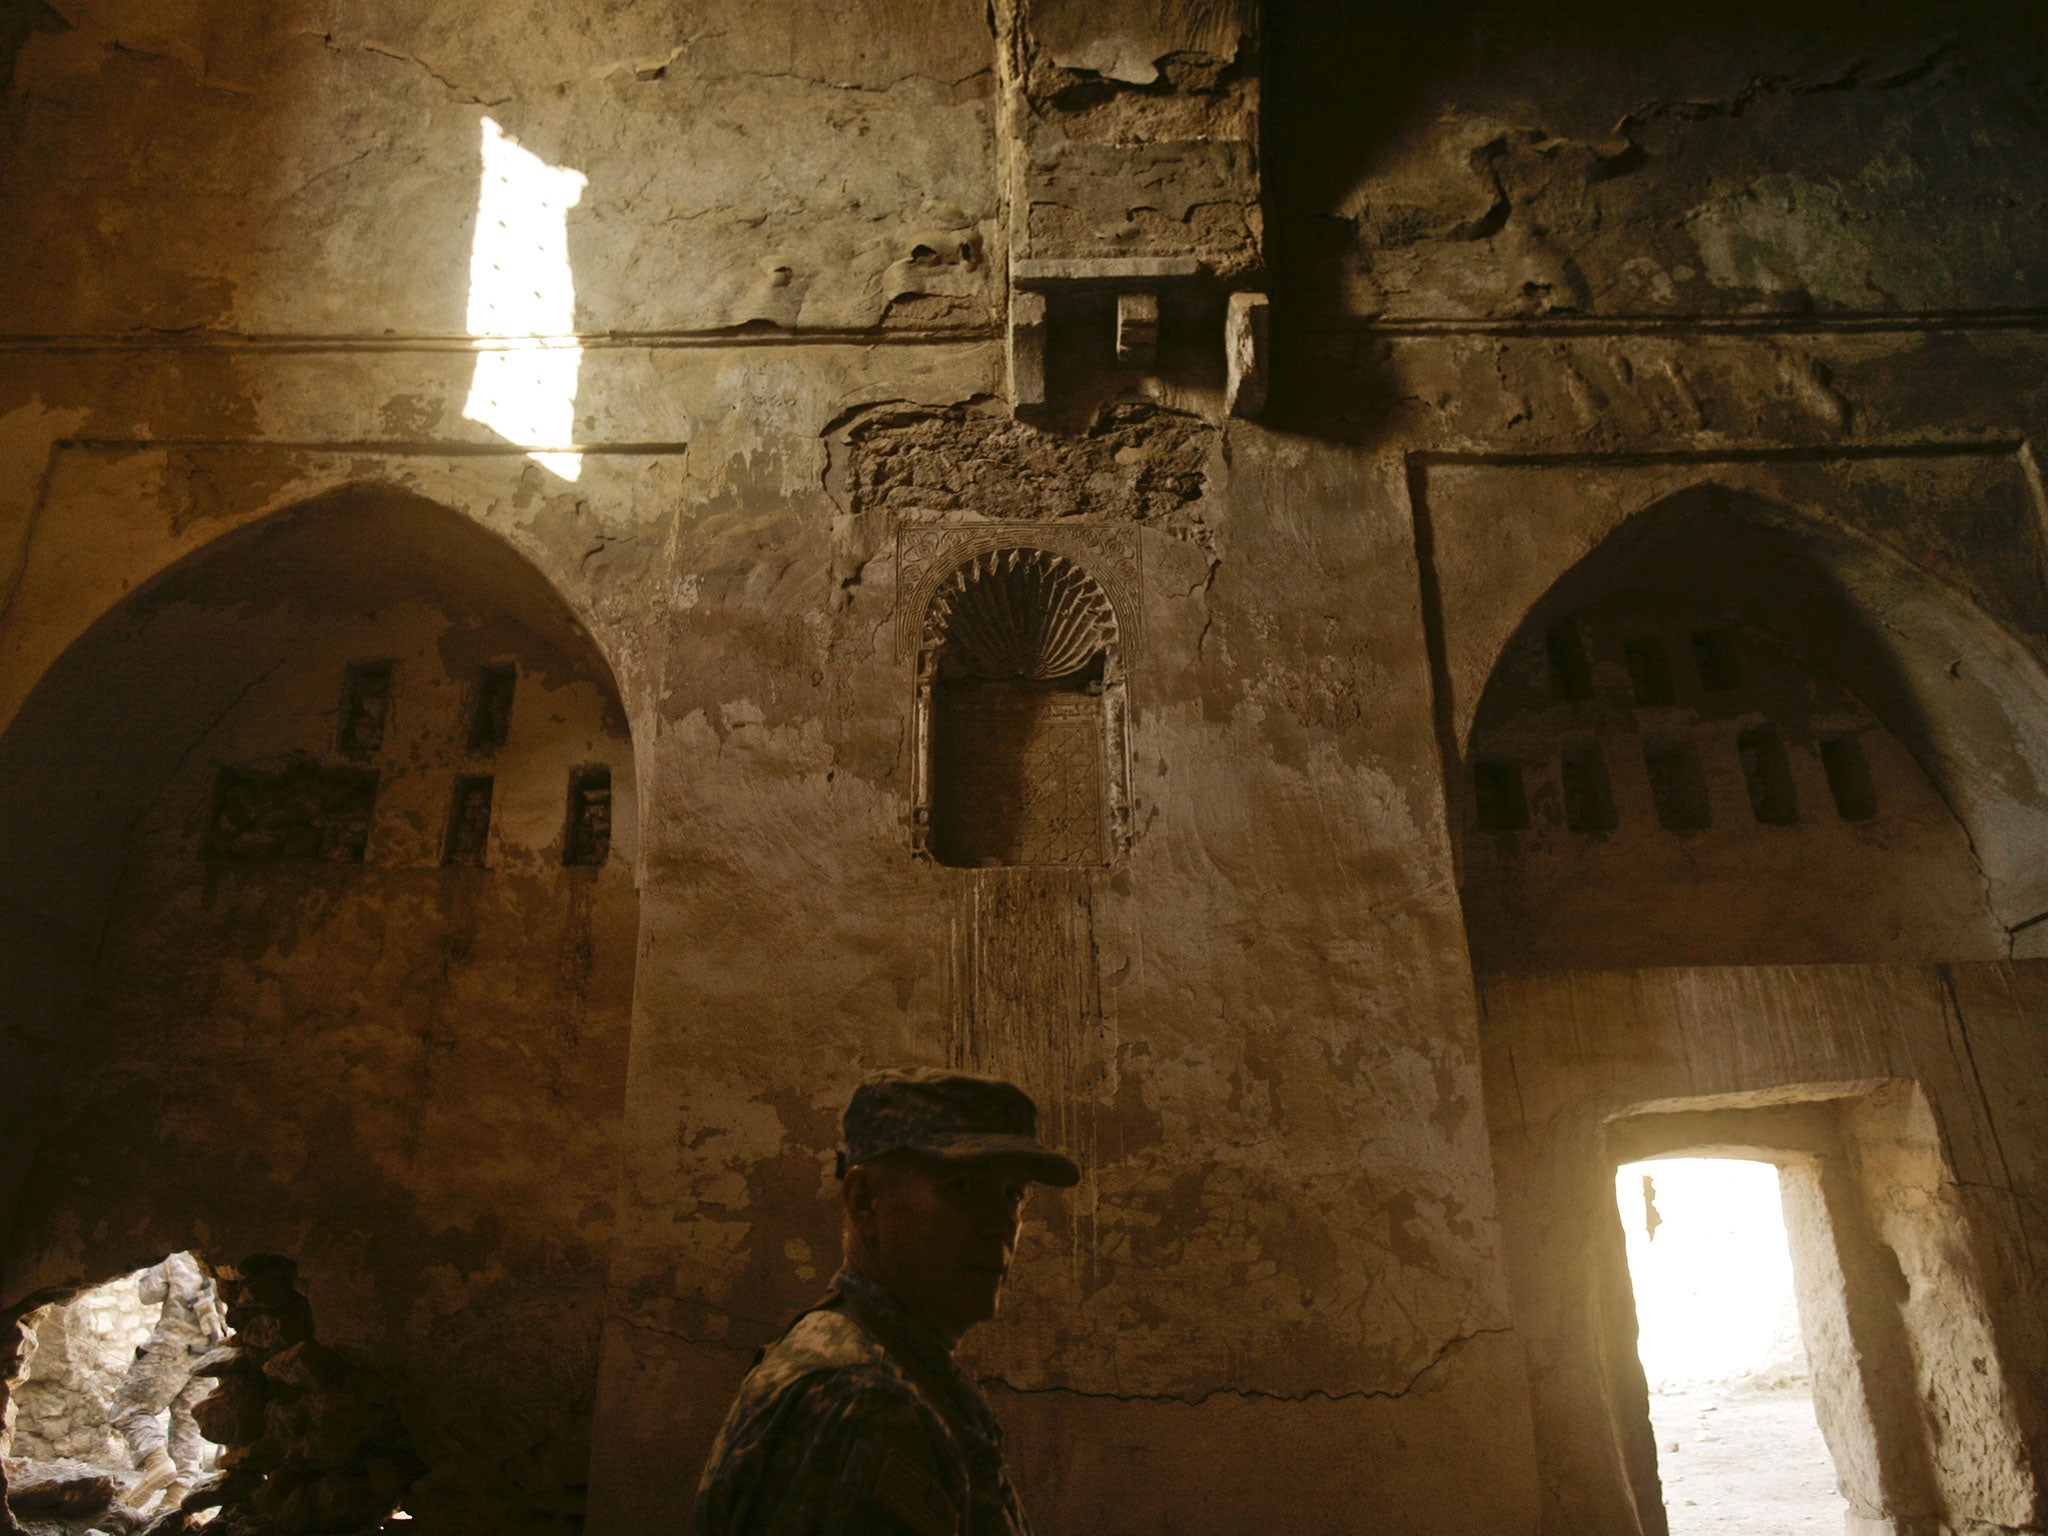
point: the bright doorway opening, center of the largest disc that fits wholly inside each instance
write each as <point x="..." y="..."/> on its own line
<point x="1739" y="1450"/>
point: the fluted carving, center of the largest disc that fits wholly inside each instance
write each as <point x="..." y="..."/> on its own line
<point x="1022" y="614"/>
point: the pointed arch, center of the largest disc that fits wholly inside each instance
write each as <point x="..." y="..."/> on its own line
<point x="1965" y="696"/>
<point x="320" y="940"/>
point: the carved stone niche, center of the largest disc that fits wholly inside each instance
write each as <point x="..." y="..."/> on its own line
<point x="1022" y="716"/>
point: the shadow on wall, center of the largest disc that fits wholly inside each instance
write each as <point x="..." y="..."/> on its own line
<point x="320" y="940"/>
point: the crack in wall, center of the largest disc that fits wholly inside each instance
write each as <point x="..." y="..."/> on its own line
<point x="1255" y="1394"/>
<point x="1853" y="78"/>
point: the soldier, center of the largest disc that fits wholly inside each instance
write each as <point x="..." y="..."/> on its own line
<point x="857" y="1422"/>
<point x="161" y="1378"/>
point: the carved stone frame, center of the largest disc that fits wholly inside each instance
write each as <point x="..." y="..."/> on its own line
<point x="927" y="556"/>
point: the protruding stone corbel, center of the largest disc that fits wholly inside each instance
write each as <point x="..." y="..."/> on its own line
<point x="1245" y="349"/>
<point x="1027" y="348"/>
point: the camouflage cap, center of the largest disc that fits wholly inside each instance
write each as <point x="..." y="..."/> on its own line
<point x="955" y="1115"/>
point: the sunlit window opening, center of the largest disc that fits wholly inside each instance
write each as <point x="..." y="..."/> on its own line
<point x="1738" y="1447"/>
<point x="522" y="302"/>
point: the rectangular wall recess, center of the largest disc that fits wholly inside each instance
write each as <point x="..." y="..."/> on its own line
<point x="1768" y="773"/>
<point x="1678" y="786"/>
<point x="1849" y="778"/>
<point x="1571" y="673"/>
<point x="588" y="839"/>
<point x="490" y="720"/>
<point x="1588" y="793"/>
<point x="365" y="708"/>
<point x="469" y="822"/>
<point x="1649" y="671"/>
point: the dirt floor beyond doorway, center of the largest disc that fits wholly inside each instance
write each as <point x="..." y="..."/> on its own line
<point x="1742" y="1460"/>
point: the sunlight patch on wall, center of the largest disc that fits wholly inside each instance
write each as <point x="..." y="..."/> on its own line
<point x="522" y="302"/>
<point x="1712" y="1270"/>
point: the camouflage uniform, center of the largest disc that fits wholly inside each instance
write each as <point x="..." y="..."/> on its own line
<point x="161" y="1376"/>
<point x="858" y="1423"/>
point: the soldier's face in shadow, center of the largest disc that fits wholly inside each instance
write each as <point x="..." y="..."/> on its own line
<point x="939" y="1234"/>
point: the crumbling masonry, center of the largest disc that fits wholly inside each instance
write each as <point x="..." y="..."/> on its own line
<point x="1388" y="606"/>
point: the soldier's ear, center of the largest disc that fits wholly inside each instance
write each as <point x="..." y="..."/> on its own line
<point x="857" y="1195"/>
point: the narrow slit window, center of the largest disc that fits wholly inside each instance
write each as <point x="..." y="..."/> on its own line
<point x="1588" y="793"/>
<point x="1498" y="795"/>
<point x="1713" y="652"/>
<point x="588" y="840"/>
<point x="469" y="822"/>
<point x="491" y="721"/>
<point x="1849" y="778"/>
<point x="1768" y="773"/>
<point x="1571" y="674"/>
<point x="365" y="708"/>
<point x="1678" y="786"/>
<point x="1649" y="671"/>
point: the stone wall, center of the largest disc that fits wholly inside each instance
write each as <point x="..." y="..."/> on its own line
<point x="64" y="1401"/>
<point x="1569" y="308"/>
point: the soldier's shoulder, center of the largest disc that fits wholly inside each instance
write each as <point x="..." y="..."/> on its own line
<point x="825" y="1340"/>
<point x="825" y="1363"/>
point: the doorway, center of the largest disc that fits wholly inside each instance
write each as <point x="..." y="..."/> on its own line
<point x="1739" y="1449"/>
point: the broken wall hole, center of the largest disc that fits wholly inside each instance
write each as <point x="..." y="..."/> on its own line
<point x="490" y="720"/>
<point x="190" y="1395"/>
<point x="106" y="1388"/>
<point x="365" y="708"/>
<point x="1022" y="716"/>
<point x="187" y="1395"/>
<point x="469" y="821"/>
<point x="1730" y="1395"/>
<point x="306" y="811"/>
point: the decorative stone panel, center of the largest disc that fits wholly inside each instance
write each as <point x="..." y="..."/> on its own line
<point x="1021" y="712"/>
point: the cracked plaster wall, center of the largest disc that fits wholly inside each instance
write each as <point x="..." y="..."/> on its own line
<point x="240" y="237"/>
